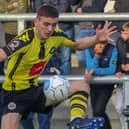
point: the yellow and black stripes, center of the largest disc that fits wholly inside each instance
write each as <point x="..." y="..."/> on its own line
<point x="79" y="103"/>
<point x="19" y="42"/>
<point x="16" y="65"/>
<point x="22" y="68"/>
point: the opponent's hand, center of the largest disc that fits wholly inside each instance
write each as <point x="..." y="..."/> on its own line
<point x="103" y="34"/>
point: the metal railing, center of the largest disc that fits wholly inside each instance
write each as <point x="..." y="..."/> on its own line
<point x="103" y="79"/>
<point x="22" y="18"/>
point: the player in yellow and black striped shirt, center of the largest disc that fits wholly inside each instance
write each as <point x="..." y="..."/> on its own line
<point x="28" y="55"/>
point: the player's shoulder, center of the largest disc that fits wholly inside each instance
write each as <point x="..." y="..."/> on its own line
<point x="26" y="35"/>
<point x="20" y="41"/>
<point x="59" y="32"/>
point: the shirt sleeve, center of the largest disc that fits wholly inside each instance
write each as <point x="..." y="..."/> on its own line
<point x="15" y="46"/>
<point x="68" y="43"/>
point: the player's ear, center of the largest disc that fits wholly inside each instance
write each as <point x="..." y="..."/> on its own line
<point x="36" y="22"/>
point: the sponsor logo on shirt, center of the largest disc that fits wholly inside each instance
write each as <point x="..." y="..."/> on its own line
<point x="37" y="68"/>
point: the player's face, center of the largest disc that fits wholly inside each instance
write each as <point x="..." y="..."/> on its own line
<point x="45" y="26"/>
<point x="125" y="34"/>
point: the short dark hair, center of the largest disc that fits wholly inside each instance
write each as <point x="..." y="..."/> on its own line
<point x="47" y="11"/>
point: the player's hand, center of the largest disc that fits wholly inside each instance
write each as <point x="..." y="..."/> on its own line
<point x="103" y="34"/>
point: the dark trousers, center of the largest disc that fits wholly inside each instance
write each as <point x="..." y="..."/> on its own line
<point x="100" y="96"/>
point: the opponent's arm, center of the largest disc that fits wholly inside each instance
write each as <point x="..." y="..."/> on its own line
<point x="102" y="35"/>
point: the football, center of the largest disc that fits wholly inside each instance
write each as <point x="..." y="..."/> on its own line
<point x="57" y="88"/>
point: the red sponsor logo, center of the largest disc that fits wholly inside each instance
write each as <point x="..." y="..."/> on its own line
<point x="37" y="68"/>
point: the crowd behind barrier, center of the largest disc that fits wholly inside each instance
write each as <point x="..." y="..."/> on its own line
<point x="22" y="18"/>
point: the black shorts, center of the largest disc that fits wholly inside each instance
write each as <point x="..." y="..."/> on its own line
<point x="24" y="101"/>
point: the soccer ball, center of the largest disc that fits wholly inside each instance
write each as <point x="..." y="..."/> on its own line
<point x="57" y="88"/>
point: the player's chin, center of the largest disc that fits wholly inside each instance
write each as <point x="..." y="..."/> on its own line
<point x="47" y="35"/>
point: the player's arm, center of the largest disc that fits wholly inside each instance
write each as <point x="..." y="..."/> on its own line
<point x="85" y="42"/>
<point x="16" y="46"/>
<point x="102" y="35"/>
<point x="3" y="55"/>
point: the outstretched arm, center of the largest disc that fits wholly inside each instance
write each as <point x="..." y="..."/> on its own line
<point x="102" y="35"/>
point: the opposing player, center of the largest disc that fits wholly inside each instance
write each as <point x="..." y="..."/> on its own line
<point x="28" y="55"/>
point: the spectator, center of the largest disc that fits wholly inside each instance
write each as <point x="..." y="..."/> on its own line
<point x="12" y="7"/>
<point x="28" y="53"/>
<point x="109" y="8"/>
<point x="88" y="28"/>
<point x="123" y="69"/>
<point x="101" y="60"/>
<point x="120" y="6"/>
